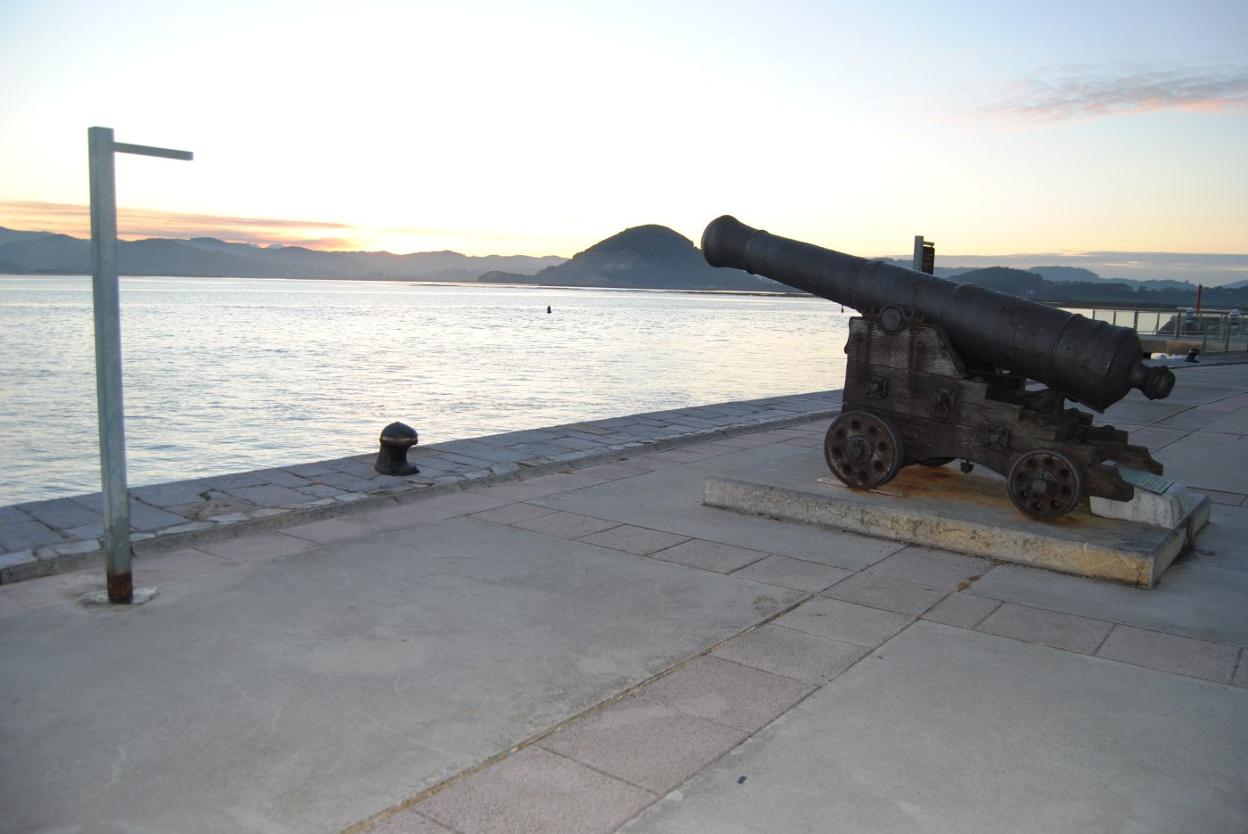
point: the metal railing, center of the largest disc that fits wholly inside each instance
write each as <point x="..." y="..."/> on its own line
<point x="1177" y="330"/>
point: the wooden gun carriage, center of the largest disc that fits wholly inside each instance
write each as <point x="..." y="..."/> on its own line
<point x="939" y="371"/>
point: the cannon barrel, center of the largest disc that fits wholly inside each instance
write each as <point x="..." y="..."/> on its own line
<point x="1090" y="361"/>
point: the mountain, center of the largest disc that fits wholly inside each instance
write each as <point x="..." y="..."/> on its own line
<point x="1065" y="273"/>
<point x="643" y="257"/>
<point x="10" y="235"/>
<point x="949" y="272"/>
<point x="45" y="253"/>
<point x="1029" y="284"/>
<point x="1007" y="280"/>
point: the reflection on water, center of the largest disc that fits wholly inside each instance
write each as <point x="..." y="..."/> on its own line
<point x="223" y="375"/>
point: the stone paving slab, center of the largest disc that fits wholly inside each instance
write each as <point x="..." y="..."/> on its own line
<point x="61" y="513"/>
<point x="963" y="610"/>
<point x="566" y="525"/>
<point x="172" y="494"/>
<point x="939" y="568"/>
<point x="412" y="822"/>
<point x="946" y="731"/>
<point x="844" y="621"/>
<point x="793" y="573"/>
<point x="403" y="516"/>
<point x="176" y="566"/>
<point x="670" y="499"/>
<point x="639" y="541"/>
<point x="10" y="606"/>
<point x="258" y="548"/>
<point x="1051" y="628"/>
<point x="1230" y="499"/>
<point x="888" y="593"/>
<point x="707" y="555"/>
<point x="10" y="514"/>
<point x="536" y="791"/>
<point x="143" y="517"/>
<point x="644" y="743"/>
<point x="727" y="693"/>
<point x="51" y="591"/>
<point x="511" y="513"/>
<point x="794" y="654"/>
<point x="327" y="531"/>
<point x="1199" y="460"/>
<point x="1203" y="596"/>
<point x="1170" y="653"/>
<point x="24" y="535"/>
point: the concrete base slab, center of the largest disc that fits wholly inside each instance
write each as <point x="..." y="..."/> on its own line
<point x="943" y="730"/>
<point x="941" y="507"/>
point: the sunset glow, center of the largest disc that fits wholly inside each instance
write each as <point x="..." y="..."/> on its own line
<point x="540" y="129"/>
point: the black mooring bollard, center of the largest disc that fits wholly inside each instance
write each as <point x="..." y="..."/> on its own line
<point x="396" y="439"/>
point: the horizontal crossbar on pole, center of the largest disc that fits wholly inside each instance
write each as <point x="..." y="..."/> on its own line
<point x="148" y="150"/>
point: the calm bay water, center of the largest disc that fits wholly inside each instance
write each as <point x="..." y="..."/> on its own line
<point x="224" y="375"/>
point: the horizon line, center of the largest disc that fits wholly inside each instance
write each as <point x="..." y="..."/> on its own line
<point x="264" y="233"/>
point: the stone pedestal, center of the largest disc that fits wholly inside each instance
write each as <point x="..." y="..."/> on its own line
<point x="971" y="513"/>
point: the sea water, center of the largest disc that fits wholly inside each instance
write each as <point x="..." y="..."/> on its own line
<point x="230" y="374"/>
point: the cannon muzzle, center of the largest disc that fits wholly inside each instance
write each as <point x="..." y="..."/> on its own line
<point x="1090" y="361"/>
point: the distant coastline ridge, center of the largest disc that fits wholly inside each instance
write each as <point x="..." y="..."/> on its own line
<point x="34" y="253"/>
<point x="649" y="257"/>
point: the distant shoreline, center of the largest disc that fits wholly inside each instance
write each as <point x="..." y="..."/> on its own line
<point x="431" y="283"/>
<point x="1077" y="303"/>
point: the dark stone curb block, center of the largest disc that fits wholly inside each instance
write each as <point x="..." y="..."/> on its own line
<point x="47" y="562"/>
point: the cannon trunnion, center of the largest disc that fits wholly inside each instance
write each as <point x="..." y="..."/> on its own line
<point x="914" y="395"/>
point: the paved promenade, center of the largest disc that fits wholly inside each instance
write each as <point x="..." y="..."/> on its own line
<point x="41" y="538"/>
<point x="593" y="650"/>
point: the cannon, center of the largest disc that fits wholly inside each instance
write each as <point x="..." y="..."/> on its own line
<point x="939" y="371"/>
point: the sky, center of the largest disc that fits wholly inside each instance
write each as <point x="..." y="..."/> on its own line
<point x="1102" y="132"/>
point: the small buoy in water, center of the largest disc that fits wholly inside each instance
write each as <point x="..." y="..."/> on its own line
<point x="547" y="308"/>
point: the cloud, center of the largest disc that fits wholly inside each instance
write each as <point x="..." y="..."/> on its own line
<point x="1091" y="92"/>
<point x="73" y="219"/>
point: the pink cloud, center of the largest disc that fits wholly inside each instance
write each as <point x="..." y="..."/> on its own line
<point x="73" y="219"/>
<point x="1089" y="92"/>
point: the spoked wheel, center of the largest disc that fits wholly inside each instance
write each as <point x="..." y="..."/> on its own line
<point x="1045" y="484"/>
<point x="863" y="450"/>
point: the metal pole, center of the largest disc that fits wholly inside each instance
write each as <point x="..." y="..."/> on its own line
<point x="108" y="364"/>
<point x="100" y="150"/>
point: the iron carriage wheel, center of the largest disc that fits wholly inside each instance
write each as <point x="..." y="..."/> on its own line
<point x="863" y="450"/>
<point x="1045" y="483"/>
